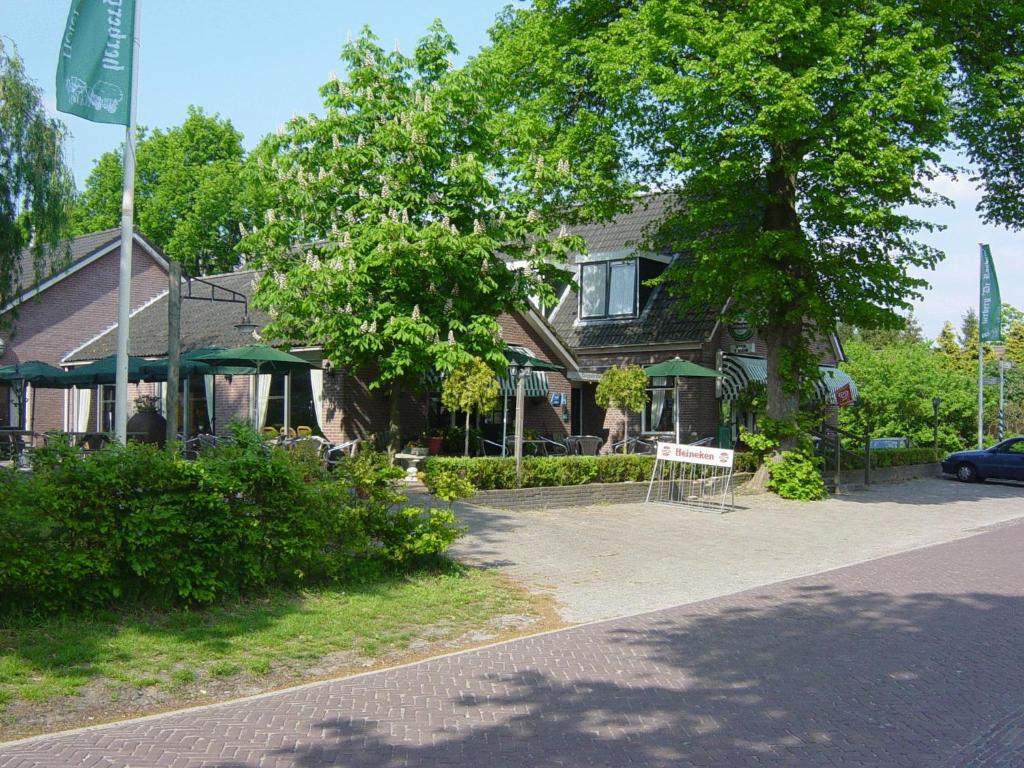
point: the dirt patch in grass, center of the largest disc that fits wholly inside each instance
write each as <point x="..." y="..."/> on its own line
<point x="69" y="671"/>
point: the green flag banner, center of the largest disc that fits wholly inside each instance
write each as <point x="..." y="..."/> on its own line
<point x="990" y="325"/>
<point x="94" y="72"/>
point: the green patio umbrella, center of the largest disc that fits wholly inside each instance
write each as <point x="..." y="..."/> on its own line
<point x="34" y="372"/>
<point x="523" y="360"/>
<point x="678" y="369"/>
<point x="259" y="358"/>
<point x="190" y="365"/>
<point x="103" y="371"/>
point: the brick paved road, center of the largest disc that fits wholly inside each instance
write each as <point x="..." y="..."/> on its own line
<point x="911" y="660"/>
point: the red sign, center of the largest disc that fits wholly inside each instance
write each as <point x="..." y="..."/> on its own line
<point x="844" y="396"/>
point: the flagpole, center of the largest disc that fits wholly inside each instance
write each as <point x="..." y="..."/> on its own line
<point x="124" y="284"/>
<point x="981" y="356"/>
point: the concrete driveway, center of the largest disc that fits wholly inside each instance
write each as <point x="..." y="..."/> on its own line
<point x="605" y="561"/>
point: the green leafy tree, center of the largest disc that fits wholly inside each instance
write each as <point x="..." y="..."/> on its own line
<point x="471" y="386"/>
<point x="1015" y="343"/>
<point x="389" y="214"/>
<point x="987" y="37"/>
<point x="910" y="331"/>
<point x="36" y="187"/>
<point x="896" y="385"/>
<point x="801" y="133"/>
<point x="625" y="388"/>
<point x="189" y="199"/>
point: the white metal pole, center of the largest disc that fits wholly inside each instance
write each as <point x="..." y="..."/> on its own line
<point x="504" y="427"/>
<point x="124" y="284"/>
<point x="1001" y="423"/>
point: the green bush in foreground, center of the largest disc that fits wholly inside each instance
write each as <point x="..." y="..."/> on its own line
<point x="135" y="522"/>
<point x="797" y="475"/>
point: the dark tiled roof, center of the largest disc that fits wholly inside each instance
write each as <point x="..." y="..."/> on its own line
<point x="627" y="230"/>
<point x="660" y="322"/>
<point x="203" y="324"/>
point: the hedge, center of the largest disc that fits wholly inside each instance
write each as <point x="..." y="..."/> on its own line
<point x="138" y="523"/>
<point x="488" y="473"/>
<point x="885" y="457"/>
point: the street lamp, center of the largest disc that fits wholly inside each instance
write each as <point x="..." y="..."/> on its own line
<point x="936" y="402"/>
<point x="199" y="290"/>
<point x="521" y="372"/>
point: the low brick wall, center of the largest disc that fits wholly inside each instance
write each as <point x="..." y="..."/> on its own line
<point x="855" y="477"/>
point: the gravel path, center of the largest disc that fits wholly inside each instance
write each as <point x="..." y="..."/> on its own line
<point x="614" y="560"/>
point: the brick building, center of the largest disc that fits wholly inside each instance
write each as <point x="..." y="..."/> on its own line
<point x="56" y="311"/>
<point x="335" y="403"/>
<point x="607" y="316"/>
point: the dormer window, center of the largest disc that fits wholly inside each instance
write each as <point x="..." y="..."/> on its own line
<point x="608" y="289"/>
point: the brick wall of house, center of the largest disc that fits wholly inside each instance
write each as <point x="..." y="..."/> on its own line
<point x="71" y="312"/>
<point x="540" y="415"/>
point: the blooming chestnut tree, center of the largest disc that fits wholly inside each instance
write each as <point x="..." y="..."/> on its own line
<point x="399" y="228"/>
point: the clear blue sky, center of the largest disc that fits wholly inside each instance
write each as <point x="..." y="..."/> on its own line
<point x="258" y="62"/>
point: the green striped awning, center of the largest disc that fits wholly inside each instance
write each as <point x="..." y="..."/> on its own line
<point x="741" y="371"/>
<point x="535" y="385"/>
<point x="831" y="380"/>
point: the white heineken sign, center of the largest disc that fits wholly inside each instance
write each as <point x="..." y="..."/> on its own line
<point x="695" y="454"/>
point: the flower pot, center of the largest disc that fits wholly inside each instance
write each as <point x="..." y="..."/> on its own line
<point x="147" y="427"/>
<point x="434" y="445"/>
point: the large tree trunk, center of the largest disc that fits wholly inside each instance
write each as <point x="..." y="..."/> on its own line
<point x="784" y="335"/>
<point x="782" y="342"/>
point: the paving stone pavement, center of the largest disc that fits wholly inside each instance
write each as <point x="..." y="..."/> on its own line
<point x="612" y="560"/>
<point x="909" y="660"/>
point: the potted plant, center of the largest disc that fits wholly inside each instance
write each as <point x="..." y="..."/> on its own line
<point x="147" y="425"/>
<point x="417" y="447"/>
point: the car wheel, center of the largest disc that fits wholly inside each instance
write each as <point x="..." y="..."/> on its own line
<point x="966" y="473"/>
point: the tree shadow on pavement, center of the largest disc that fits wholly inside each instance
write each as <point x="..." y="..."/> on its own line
<point x="819" y="675"/>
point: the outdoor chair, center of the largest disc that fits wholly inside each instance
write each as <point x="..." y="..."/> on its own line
<point x="554" y="447"/>
<point x="490" y="448"/>
<point x="192" y="447"/>
<point x="269" y="432"/>
<point x="333" y="455"/>
<point x="303" y="431"/>
<point x="588" y="445"/>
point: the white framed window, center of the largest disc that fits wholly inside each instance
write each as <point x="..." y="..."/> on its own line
<point x="660" y="411"/>
<point x="608" y="289"/>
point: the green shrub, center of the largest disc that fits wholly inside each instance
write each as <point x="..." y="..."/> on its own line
<point x="885" y="457"/>
<point x="488" y="473"/>
<point x="746" y="462"/>
<point x="136" y="522"/>
<point x="797" y="475"/>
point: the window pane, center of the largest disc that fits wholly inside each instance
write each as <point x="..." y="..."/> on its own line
<point x="660" y="412"/>
<point x="623" y="288"/>
<point x="592" y="285"/>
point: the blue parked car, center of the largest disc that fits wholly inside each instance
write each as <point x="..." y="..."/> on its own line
<point x="1003" y="461"/>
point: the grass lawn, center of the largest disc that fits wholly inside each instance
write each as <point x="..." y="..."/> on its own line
<point x="62" y="671"/>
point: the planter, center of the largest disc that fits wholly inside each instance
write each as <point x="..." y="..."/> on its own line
<point x="434" y="445"/>
<point x="148" y="427"/>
